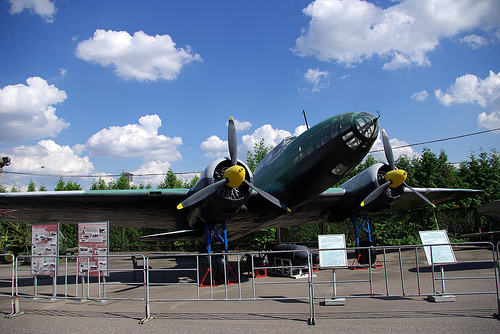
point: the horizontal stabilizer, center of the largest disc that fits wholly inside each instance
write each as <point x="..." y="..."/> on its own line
<point x="175" y="235"/>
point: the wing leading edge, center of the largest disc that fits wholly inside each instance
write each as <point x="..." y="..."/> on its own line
<point x="148" y="208"/>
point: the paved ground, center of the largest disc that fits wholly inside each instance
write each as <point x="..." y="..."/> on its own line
<point x="469" y="313"/>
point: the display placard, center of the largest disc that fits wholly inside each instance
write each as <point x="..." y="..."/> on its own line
<point x="44" y="242"/>
<point x="440" y="254"/>
<point x="335" y="254"/>
<point x="93" y="241"/>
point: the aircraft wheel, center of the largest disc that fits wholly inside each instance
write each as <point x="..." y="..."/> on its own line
<point x="365" y="255"/>
<point x="8" y="250"/>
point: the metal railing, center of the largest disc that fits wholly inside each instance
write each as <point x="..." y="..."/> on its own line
<point x="401" y="271"/>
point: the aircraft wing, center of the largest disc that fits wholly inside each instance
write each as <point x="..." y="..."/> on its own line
<point x="156" y="208"/>
<point x="334" y="204"/>
<point x="490" y="209"/>
<point x="410" y="200"/>
<point x="149" y="208"/>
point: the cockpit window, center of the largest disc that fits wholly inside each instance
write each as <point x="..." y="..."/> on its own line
<point x="366" y="126"/>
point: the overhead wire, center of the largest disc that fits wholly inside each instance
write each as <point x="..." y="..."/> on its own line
<point x="199" y="172"/>
<point x="439" y="140"/>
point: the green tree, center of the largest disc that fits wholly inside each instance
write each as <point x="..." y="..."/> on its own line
<point x="171" y="181"/>
<point x="70" y="185"/>
<point x="123" y="182"/>
<point x="99" y="184"/>
<point x="260" y="151"/>
<point x="31" y="186"/>
<point x="145" y="186"/>
<point x="189" y="184"/>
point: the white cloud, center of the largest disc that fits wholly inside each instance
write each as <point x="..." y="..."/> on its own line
<point x="272" y="137"/>
<point x="299" y="130"/>
<point x="420" y="96"/>
<point x="316" y="79"/>
<point x="214" y="147"/>
<point x="135" y="140"/>
<point x="141" y="57"/>
<point x="27" y="111"/>
<point x="44" y="8"/>
<point x="398" y="152"/>
<point x="491" y="121"/>
<point x="352" y="31"/>
<point x="471" y="89"/>
<point x="241" y="125"/>
<point x="56" y="159"/>
<point x="474" y="41"/>
<point x="152" y="167"/>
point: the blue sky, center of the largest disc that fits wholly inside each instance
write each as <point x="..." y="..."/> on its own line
<point x="97" y="87"/>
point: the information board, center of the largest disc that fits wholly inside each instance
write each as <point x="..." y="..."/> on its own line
<point x="93" y="241"/>
<point x="44" y="242"/>
<point x="331" y="256"/>
<point x="440" y="254"/>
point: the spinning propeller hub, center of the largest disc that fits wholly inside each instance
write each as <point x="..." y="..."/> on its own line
<point x="397" y="177"/>
<point x="235" y="176"/>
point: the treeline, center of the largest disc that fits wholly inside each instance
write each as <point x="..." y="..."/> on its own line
<point x="481" y="171"/>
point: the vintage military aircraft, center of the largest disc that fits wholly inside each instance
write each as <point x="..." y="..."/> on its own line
<point x="290" y="186"/>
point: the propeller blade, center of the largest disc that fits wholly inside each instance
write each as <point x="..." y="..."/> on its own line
<point x="202" y="194"/>
<point x="232" y="141"/>
<point x="376" y="193"/>
<point x="268" y="196"/>
<point x="420" y="195"/>
<point x="388" y="150"/>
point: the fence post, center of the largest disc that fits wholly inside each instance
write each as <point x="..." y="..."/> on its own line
<point x="14" y="296"/>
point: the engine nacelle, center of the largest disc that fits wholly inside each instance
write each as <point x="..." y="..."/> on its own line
<point x="225" y="202"/>
<point x="367" y="181"/>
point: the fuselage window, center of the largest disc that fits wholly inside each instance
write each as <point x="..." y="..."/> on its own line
<point x="347" y="136"/>
<point x="345" y="125"/>
<point x="340" y="169"/>
<point x="354" y="143"/>
<point x="334" y="131"/>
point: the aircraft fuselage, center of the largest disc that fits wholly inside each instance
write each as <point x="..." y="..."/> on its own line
<point x="302" y="167"/>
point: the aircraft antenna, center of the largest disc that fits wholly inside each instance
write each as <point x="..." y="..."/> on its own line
<point x="305" y="118"/>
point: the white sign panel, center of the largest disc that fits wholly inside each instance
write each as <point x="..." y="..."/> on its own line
<point x="93" y="241"/>
<point x="44" y="242"/>
<point x="440" y="254"/>
<point x="332" y="250"/>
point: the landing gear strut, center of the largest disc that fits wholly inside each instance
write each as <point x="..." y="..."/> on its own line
<point x="364" y="256"/>
<point x="220" y="264"/>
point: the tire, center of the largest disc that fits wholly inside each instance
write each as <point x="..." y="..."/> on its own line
<point x="365" y="255"/>
<point x="218" y="268"/>
<point x="8" y="250"/>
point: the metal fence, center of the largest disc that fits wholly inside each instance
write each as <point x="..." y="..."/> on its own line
<point x="400" y="271"/>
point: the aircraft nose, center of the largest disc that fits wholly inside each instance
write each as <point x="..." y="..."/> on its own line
<point x="367" y="125"/>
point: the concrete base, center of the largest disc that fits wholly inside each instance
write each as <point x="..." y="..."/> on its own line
<point x="441" y="298"/>
<point x="50" y="300"/>
<point x="334" y="301"/>
<point x="80" y="301"/>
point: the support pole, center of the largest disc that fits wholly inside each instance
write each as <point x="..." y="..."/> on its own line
<point x="362" y="225"/>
